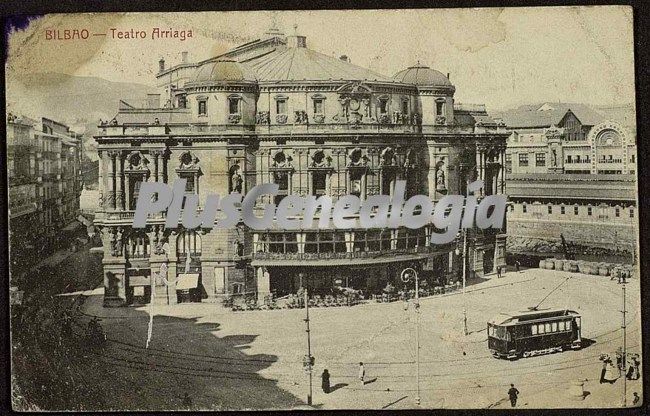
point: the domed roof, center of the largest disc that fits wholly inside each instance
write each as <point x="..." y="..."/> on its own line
<point x="422" y="76"/>
<point x="223" y="70"/>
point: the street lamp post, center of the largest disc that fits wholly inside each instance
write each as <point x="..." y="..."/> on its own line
<point x="406" y="276"/>
<point x="308" y="359"/>
<point x="624" y="360"/>
<point x="464" y="279"/>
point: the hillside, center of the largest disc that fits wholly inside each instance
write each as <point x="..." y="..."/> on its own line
<point x="79" y="102"/>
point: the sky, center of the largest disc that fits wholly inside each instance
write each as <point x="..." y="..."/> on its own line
<point x="503" y="57"/>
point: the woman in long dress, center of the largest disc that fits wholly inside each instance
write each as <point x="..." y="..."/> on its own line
<point x="611" y="373"/>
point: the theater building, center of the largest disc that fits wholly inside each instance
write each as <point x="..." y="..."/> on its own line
<point x="275" y="111"/>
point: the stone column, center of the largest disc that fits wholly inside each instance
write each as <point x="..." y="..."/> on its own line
<point x="119" y="192"/>
<point x="110" y="197"/>
<point x="263" y="284"/>
<point x="100" y="180"/>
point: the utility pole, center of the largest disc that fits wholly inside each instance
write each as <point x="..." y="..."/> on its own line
<point x="464" y="280"/>
<point x="308" y="360"/>
<point x="406" y="277"/>
<point x="623" y="326"/>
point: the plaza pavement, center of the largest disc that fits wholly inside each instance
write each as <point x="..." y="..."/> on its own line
<point x="253" y="359"/>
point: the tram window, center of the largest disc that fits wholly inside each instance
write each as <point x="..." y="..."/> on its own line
<point x="561" y="325"/>
<point x="534" y="329"/>
<point x="578" y="322"/>
<point x="540" y="328"/>
<point x="554" y="327"/>
<point x="547" y="327"/>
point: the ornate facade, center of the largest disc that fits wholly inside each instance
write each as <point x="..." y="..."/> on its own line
<point x="273" y="110"/>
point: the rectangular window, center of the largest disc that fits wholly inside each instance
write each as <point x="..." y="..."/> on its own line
<point x="547" y="328"/>
<point x="617" y="212"/>
<point x="540" y="329"/>
<point x="523" y="159"/>
<point x="562" y="210"/>
<point x="575" y="210"/>
<point x="540" y="159"/>
<point x="524" y="208"/>
<point x="554" y="326"/>
<point x="233" y="106"/>
<point x="550" y="209"/>
<point x="281" y="107"/>
<point x="203" y="108"/>
<point x="383" y="106"/>
<point x="508" y="163"/>
<point x="561" y="325"/>
<point x="568" y="159"/>
<point x="533" y="329"/>
<point x="589" y="211"/>
<point x="318" y="106"/>
<point x="631" y="212"/>
<point x="577" y="159"/>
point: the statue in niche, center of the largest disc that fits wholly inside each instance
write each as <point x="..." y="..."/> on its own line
<point x="440" y="178"/>
<point x="236" y="181"/>
<point x="554" y="158"/>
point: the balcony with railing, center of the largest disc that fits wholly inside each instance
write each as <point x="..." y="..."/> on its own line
<point x="342" y="246"/>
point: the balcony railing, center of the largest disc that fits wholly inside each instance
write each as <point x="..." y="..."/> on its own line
<point x="341" y="255"/>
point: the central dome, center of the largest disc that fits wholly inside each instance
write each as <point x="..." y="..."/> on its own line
<point x="223" y="70"/>
<point x="422" y="76"/>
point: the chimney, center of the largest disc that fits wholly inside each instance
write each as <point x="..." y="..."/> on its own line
<point x="161" y="65"/>
<point x="297" y="41"/>
<point x="153" y="100"/>
<point x="184" y="57"/>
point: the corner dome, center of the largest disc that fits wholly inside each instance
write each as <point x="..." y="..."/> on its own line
<point x="422" y="76"/>
<point x="223" y="70"/>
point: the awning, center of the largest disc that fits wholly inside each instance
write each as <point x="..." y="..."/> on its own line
<point x="187" y="281"/>
<point x="139" y="281"/>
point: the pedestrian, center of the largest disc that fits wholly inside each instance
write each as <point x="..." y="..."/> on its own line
<point x="187" y="401"/>
<point x="362" y="373"/>
<point x="498" y="272"/>
<point x="517" y="264"/>
<point x="611" y="372"/>
<point x="630" y="372"/>
<point x="636" y="399"/>
<point x="636" y="363"/>
<point x="602" y="372"/>
<point x="325" y="381"/>
<point x="513" y="393"/>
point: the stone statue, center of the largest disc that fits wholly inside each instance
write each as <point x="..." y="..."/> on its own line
<point x="554" y="157"/>
<point x="440" y="179"/>
<point x="236" y="182"/>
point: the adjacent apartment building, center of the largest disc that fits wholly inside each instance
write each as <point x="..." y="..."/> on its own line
<point x="44" y="181"/>
<point x="274" y="111"/>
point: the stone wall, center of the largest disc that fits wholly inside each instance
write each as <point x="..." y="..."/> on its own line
<point x="537" y="235"/>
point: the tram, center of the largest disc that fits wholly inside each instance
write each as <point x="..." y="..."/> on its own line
<point x="534" y="332"/>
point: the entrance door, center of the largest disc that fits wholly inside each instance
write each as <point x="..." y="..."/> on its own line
<point x="488" y="260"/>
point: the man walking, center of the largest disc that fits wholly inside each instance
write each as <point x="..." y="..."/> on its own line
<point x="517" y="264"/>
<point x="362" y="373"/>
<point x="498" y="272"/>
<point x="325" y="381"/>
<point x="513" y="393"/>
